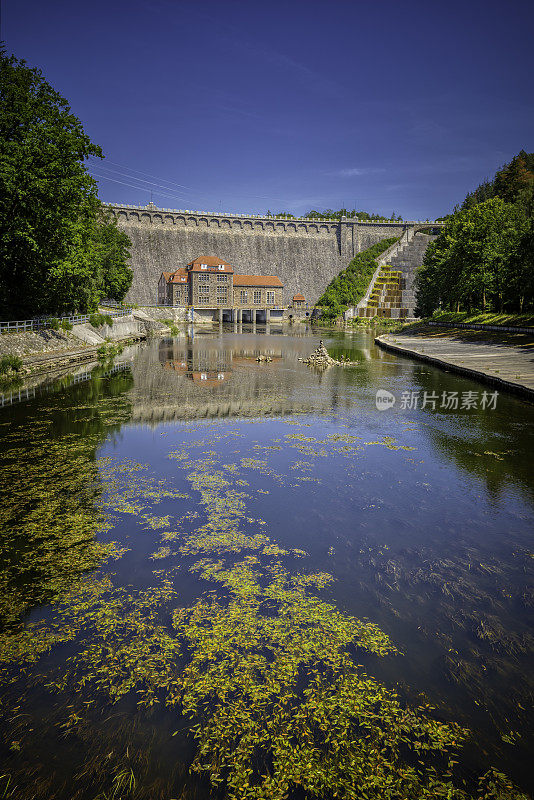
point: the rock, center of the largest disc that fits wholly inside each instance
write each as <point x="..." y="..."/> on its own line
<point x="321" y="359"/>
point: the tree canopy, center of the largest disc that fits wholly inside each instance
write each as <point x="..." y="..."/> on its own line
<point x="329" y="213"/>
<point x="484" y="257"/>
<point x="55" y="244"/>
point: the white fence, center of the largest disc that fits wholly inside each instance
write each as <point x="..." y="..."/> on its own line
<point x="38" y="323"/>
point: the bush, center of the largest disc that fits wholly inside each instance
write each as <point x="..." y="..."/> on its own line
<point x="53" y="323"/>
<point x="65" y="325"/>
<point x="108" y="351"/>
<point x="97" y="320"/>
<point x="10" y="364"/>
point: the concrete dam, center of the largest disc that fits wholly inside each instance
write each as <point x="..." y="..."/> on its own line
<point x="305" y="253"/>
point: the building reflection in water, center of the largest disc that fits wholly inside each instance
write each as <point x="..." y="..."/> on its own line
<point x="212" y="375"/>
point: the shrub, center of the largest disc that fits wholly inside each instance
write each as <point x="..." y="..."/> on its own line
<point x="108" y="351"/>
<point x="10" y="364"/>
<point x="65" y="325"/>
<point x="97" y="320"/>
<point x="53" y="322"/>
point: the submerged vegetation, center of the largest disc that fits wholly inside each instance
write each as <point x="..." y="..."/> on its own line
<point x="263" y="672"/>
<point x="229" y="654"/>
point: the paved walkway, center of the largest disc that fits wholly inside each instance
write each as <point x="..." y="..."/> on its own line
<point x="504" y="360"/>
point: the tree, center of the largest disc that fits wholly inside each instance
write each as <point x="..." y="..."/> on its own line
<point x="469" y="264"/>
<point x="49" y="258"/>
<point x="113" y="255"/>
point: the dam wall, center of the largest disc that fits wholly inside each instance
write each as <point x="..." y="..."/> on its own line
<point x="306" y="254"/>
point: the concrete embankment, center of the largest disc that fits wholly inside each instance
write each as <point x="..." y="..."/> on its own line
<point x="44" y="350"/>
<point x="501" y="359"/>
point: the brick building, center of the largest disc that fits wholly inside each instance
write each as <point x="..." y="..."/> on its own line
<point x="210" y="283"/>
<point x="173" y="288"/>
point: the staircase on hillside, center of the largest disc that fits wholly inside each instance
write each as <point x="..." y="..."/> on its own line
<point x="392" y="292"/>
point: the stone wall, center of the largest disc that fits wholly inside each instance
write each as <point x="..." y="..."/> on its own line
<point x="305" y="254"/>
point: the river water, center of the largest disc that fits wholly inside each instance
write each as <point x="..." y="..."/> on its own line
<point x="231" y="578"/>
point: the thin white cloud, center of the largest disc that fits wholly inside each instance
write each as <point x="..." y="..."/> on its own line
<point x="351" y="172"/>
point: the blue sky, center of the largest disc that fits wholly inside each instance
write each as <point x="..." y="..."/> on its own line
<point x="255" y="106"/>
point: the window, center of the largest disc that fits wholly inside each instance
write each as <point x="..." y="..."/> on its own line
<point x="222" y="295"/>
<point x="203" y="278"/>
<point x="203" y="266"/>
<point x="257" y="296"/>
<point x="244" y="295"/>
<point x="270" y="298"/>
<point x="221" y="266"/>
<point x="221" y="278"/>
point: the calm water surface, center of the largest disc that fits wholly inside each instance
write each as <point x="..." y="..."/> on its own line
<point x="193" y="475"/>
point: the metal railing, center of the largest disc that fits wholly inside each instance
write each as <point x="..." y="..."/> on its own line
<point x="40" y="323"/>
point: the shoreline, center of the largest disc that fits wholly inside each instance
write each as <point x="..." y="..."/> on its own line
<point x="454" y="364"/>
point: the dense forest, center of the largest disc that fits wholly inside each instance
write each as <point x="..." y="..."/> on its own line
<point x="484" y="257"/>
<point x="59" y="251"/>
<point x="348" y="288"/>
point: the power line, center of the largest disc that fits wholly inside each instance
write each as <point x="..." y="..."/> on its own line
<point x="147" y="175"/>
<point x="133" y="178"/>
<point x="133" y="186"/>
<point x="101" y="166"/>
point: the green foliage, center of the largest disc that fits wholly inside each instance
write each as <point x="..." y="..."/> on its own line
<point x="108" y="351"/>
<point x="65" y="325"/>
<point x="53" y="323"/>
<point x="113" y="252"/>
<point x="173" y="327"/>
<point x="58" y="253"/>
<point x="513" y="183"/>
<point x="487" y="318"/>
<point x="348" y="288"/>
<point x="477" y="261"/>
<point x="48" y="199"/>
<point x="97" y="320"/>
<point x="10" y="364"/>
<point x="351" y="214"/>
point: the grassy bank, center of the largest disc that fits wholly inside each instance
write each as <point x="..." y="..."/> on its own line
<point x="348" y="288"/>
<point x="484" y="318"/>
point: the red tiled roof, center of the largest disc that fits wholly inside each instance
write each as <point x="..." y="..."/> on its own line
<point x="180" y="276"/>
<point x="258" y="280"/>
<point x="298" y="298"/>
<point x="210" y="261"/>
<point x="166" y="275"/>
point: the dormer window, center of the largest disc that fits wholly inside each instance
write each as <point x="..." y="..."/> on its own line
<point x="203" y="266"/>
<point x="221" y="266"/>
